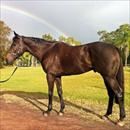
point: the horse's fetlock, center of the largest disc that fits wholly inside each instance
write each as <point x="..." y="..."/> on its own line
<point x="49" y="107"/>
<point x="62" y="106"/>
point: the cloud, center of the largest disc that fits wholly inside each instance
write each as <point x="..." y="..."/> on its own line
<point x="80" y="19"/>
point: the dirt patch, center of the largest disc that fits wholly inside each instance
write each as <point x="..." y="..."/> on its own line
<point x="18" y="117"/>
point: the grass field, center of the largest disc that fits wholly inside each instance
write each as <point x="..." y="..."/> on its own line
<point x="87" y="89"/>
<point x="87" y="86"/>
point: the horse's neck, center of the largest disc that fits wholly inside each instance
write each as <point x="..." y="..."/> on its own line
<point x="36" y="49"/>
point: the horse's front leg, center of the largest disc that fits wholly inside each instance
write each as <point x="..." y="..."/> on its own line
<point x="59" y="91"/>
<point x="50" y="81"/>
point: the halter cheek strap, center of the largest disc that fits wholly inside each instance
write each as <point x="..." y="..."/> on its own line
<point x="16" y="54"/>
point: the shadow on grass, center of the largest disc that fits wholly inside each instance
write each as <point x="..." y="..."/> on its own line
<point x="127" y="93"/>
<point x="33" y="98"/>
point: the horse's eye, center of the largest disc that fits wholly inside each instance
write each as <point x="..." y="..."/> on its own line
<point x="14" y="44"/>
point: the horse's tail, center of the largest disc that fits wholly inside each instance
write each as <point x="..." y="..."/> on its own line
<point x="120" y="79"/>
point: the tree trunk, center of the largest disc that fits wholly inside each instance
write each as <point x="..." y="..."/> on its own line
<point x="30" y="61"/>
<point x="126" y="55"/>
<point x="33" y="61"/>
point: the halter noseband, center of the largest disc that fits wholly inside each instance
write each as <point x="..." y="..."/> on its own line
<point x="16" y="54"/>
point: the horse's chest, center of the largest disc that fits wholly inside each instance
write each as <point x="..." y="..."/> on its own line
<point x="51" y="64"/>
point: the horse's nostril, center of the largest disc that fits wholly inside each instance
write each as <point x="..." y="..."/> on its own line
<point x="6" y="61"/>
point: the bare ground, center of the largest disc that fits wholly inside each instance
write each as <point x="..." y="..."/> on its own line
<point x="14" y="116"/>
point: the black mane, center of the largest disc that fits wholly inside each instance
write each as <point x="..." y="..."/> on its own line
<point x="40" y="40"/>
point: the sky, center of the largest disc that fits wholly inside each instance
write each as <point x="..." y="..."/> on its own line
<point x="79" y="19"/>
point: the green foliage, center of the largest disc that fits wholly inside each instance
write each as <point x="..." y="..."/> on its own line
<point x="25" y="60"/>
<point x="62" y="38"/>
<point x="4" y="41"/>
<point x="48" y="37"/>
<point x="69" y="40"/>
<point x="120" y="38"/>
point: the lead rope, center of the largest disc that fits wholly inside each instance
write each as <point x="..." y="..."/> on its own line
<point x="2" y="81"/>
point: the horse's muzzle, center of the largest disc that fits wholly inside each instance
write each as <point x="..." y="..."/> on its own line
<point x="9" y="59"/>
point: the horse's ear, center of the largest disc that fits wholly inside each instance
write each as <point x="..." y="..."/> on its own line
<point x="17" y="35"/>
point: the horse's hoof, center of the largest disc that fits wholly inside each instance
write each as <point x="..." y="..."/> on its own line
<point x="105" y="118"/>
<point x="120" y="123"/>
<point x="45" y="114"/>
<point x="61" y="114"/>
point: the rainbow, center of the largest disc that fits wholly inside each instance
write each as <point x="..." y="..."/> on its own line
<point x="33" y="17"/>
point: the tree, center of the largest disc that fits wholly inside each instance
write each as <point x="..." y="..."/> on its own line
<point x="105" y="36"/>
<point x="123" y="39"/>
<point x="69" y="40"/>
<point x="48" y="37"/>
<point x="120" y="38"/>
<point x="62" y="38"/>
<point x="25" y="60"/>
<point x="4" y="41"/>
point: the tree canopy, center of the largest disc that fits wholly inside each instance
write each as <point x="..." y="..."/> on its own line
<point x="120" y="38"/>
<point x="69" y="40"/>
<point x="4" y="41"/>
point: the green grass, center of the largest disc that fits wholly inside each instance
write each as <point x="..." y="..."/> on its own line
<point x="88" y="86"/>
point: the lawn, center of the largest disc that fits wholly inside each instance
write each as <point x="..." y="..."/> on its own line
<point x="88" y="86"/>
<point x="86" y="90"/>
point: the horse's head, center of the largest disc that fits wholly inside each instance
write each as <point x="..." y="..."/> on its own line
<point x="16" y="50"/>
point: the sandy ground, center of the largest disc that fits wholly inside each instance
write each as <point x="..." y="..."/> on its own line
<point x="14" y="116"/>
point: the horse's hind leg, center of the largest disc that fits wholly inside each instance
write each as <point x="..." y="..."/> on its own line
<point x="59" y="91"/>
<point x="110" y="102"/>
<point x="119" y="93"/>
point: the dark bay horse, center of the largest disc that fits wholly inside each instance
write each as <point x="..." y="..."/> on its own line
<point x="60" y="59"/>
